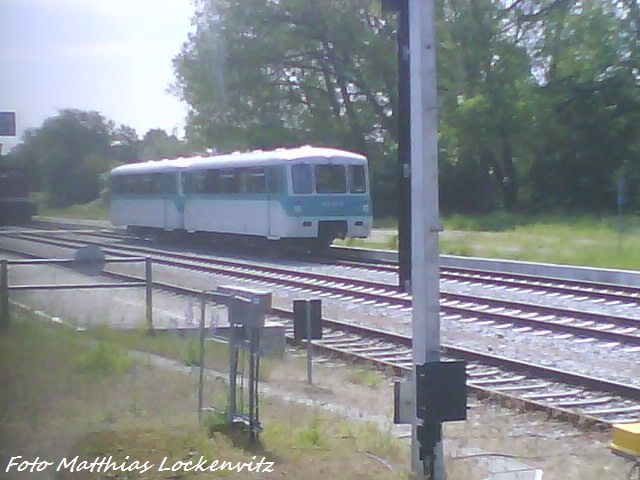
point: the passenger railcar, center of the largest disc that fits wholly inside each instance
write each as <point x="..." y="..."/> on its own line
<point x="307" y="195"/>
<point x="15" y="205"/>
<point x="148" y="197"/>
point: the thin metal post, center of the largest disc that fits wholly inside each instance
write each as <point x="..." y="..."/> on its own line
<point x="309" y="345"/>
<point x="404" y="150"/>
<point x="4" y="295"/>
<point x="252" y="387"/>
<point x="620" y="187"/>
<point x="233" y="369"/>
<point x="203" y="307"/>
<point x="425" y="223"/>
<point x="149" y="293"/>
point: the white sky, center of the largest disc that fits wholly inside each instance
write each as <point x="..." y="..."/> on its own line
<point x="111" y="56"/>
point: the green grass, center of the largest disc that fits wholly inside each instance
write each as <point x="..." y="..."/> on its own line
<point x="364" y="376"/>
<point x="95" y="210"/>
<point x="597" y="241"/>
<point x="505" y="221"/>
<point x="183" y="348"/>
<point x="587" y="241"/>
<point x="66" y="393"/>
<point x="104" y="358"/>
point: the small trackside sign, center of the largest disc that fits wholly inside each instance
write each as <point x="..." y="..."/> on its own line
<point x="7" y="124"/>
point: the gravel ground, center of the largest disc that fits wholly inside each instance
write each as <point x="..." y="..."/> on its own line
<point x="561" y="450"/>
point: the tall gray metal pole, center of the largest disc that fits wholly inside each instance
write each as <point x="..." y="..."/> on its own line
<point x="425" y="222"/>
<point x="4" y="295"/>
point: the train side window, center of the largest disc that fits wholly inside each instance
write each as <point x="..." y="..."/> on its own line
<point x="228" y="181"/>
<point x="212" y="181"/>
<point x="116" y="185"/>
<point x="156" y="184"/>
<point x="255" y="180"/>
<point x="145" y="186"/>
<point x="187" y="182"/>
<point x="127" y="185"/>
<point x="331" y="179"/>
<point x="242" y="175"/>
<point x="170" y="184"/>
<point x="302" y="179"/>
<point x="357" y="179"/>
<point x="275" y="179"/>
<point x="138" y="185"/>
<point x="199" y="182"/>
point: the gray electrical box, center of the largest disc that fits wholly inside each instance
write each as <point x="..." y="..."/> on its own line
<point x="441" y="391"/>
<point x="89" y="260"/>
<point x="246" y="307"/>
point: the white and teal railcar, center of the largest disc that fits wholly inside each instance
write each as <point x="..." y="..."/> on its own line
<point x="307" y="195"/>
<point x="148" y="197"/>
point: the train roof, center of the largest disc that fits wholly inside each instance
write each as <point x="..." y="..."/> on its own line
<point x="152" y="166"/>
<point x="256" y="157"/>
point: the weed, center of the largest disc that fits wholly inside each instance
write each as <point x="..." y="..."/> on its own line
<point x="393" y="242"/>
<point x="192" y="352"/>
<point x="104" y="359"/>
<point x="215" y="421"/>
<point x="366" y="377"/>
<point x="311" y="436"/>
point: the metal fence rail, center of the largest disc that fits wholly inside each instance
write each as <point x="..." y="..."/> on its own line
<point x="5" y="287"/>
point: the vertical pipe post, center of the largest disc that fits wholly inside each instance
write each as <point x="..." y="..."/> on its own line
<point x="4" y="295"/>
<point x="309" y="345"/>
<point x="404" y="149"/>
<point x="149" y="294"/>
<point x="233" y="362"/>
<point x="252" y="378"/>
<point x="203" y="306"/>
<point x="425" y="222"/>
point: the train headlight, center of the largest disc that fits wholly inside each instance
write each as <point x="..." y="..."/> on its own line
<point x="365" y="207"/>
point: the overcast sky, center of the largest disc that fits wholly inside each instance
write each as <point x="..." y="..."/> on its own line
<point x="112" y="56"/>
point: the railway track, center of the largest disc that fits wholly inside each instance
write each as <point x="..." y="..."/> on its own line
<point x="577" y="397"/>
<point x="565" y="395"/>
<point x="382" y="261"/>
<point x="623" y="331"/>
<point x="578" y="289"/>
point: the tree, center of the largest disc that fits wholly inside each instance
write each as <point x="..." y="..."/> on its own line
<point x="156" y="144"/>
<point x="69" y="152"/>
<point x="66" y="155"/>
<point x="125" y="144"/>
<point x="266" y="74"/>
<point x="538" y="99"/>
<point x="588" y="121"/>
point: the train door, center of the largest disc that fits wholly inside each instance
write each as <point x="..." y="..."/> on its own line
<point x="275" y="177"/>
<point x="171" y="202"/>
<point x="256" y="204"/>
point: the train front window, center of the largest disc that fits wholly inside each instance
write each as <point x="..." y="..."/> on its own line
<point x="357" y="179"/>
<point x="301" y="178"/>
<point x="331" y="179"/>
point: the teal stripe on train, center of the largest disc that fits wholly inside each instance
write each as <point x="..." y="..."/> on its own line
<point x="334" y="205"/>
